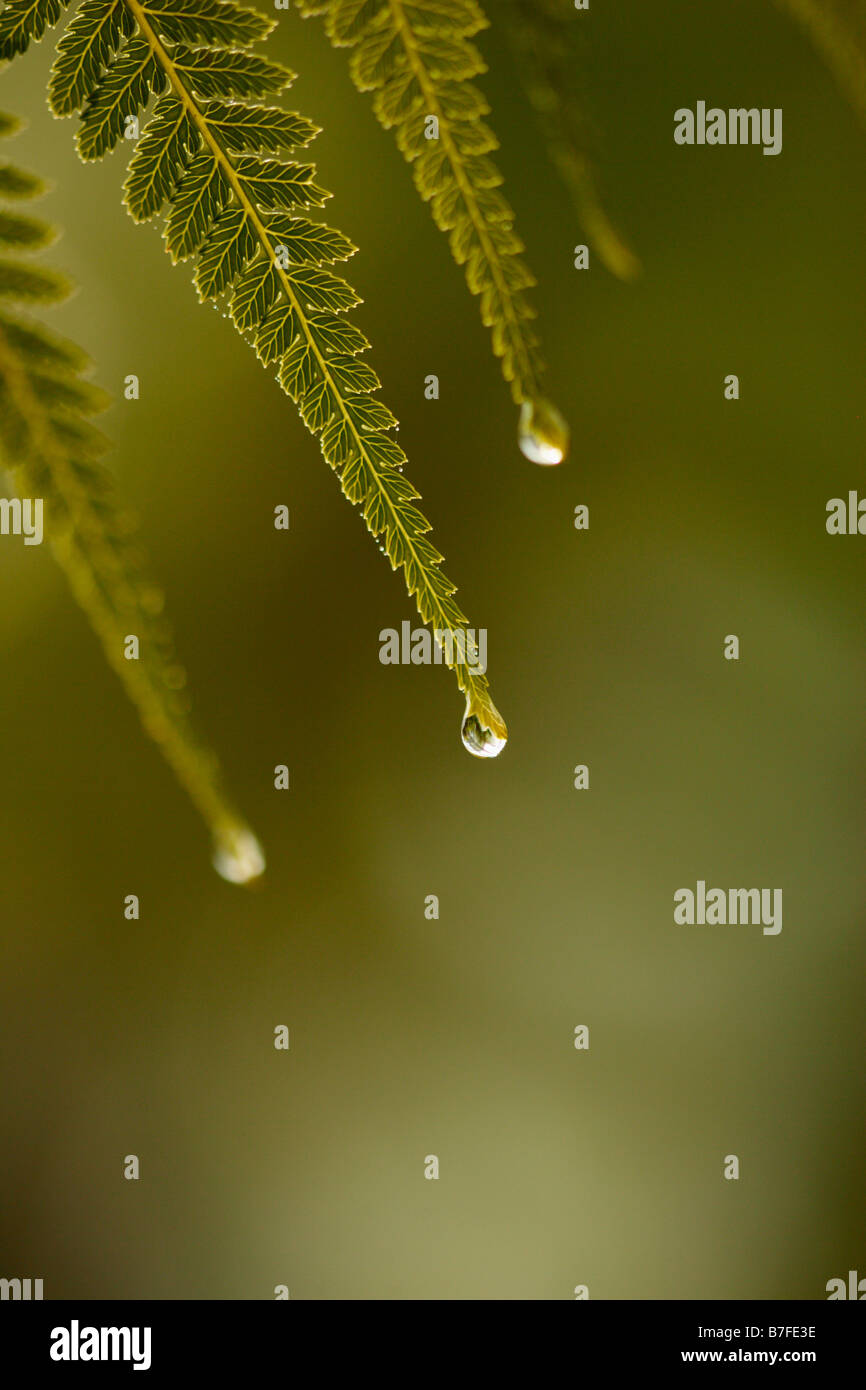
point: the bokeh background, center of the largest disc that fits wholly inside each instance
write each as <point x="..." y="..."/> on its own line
<point x="454" y="1037"/>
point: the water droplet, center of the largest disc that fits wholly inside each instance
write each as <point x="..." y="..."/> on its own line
<point x="238" y="856"/>
<point x="542" y="433"/>
<point x="479" y="738"/>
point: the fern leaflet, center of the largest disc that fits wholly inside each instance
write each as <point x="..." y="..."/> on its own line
<point x="243" y="214"/>
<point x="417" y="58"/>
<point x="52" y="451"/>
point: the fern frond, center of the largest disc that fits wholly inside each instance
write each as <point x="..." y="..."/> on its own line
<point x="545" y="36"/>
<point x="52" y="452"/>
<point x="417" y="58"/>
<point x="837" y="28"/>
<point x="243" y="216"/>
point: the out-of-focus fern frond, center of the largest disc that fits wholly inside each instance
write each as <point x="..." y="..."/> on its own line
<point x="838" y="30"/>
<point x="52" y="452"/>
<point x="547" y="41"/>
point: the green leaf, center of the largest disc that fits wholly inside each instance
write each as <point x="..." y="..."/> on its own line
<point x="337" y="335"/>
<point x="24" y="21"/>
<point x="240" y="127"/>
<point x="318" y="404"/>
<point x="17" y="183"/>
<point x="255" y="290"/>
<point x="231" y="244"/>
<point x="85" y="50"/>
<point x="160" y="154"/>
<point x="309" y="242"/>
<point x="298" y="369"/>
<point x="24" y="232"/>
<point x="320" y="289"/>
<point x="123" y="90"/>
<point x="214" y="22"/>
<point x="340" y="444"/>
<point x="37" y="347"/>
<point x="277" y="333"/>
<point x="70" y="392"/>
<point x="369" y="416"/>
<point x="31" y="283"/>
<point x="208" y="154"/>
<point x="352" y="375"/>
<point x="273" y="184"/>
<point x="211" y="72"/>
<point x="417" y="58"/>
<point x="200" y="197"/>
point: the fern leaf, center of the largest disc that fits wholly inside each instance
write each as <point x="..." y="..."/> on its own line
<point x="85" y="48"/>
<point x="52" y="451"/>
<point x="837" y="28"/>
<point x="201" y="194"/>
<point x="417" y="58"/>
<point x="545" y="36"/>
<point x="18" y="183"/>
<point x="23" y="232"/>
<point x="25" y="20"/>
<point x="243" y="216"/>
<point x="208" y="21"/>
<point x="158" y="159"/>
<point x="30" y="282"/>
<point x="218" y="72"/>
<point x="242" y="128"/>
<point x="122" y="92"/>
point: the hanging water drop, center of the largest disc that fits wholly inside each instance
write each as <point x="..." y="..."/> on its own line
<point x="542" y="433"/>
<point x="238" y="856"/>
<point x="479" y="739"/>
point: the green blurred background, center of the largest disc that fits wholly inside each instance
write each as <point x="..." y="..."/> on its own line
<point x="411" y="1037"/>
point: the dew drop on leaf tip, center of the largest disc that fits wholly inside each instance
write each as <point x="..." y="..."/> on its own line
<point x="238" y="857"/>
<point x="542" y="432"/>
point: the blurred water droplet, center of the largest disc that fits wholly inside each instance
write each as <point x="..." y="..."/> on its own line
<point x="238" y="857"/>
<point x="542" y="433"/>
